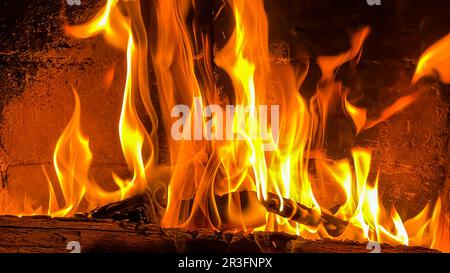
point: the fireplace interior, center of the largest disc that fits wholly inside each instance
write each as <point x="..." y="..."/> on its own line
<point x="88" y="152"/>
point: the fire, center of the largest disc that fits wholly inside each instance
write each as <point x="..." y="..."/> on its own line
<point x="137" y="144"/>
<point x="71" y="159"/>
<point x="358" y="115"/>
<point x="72" y="156"/>
<point x="224" y="183"/>
<point x="435" y="61"/>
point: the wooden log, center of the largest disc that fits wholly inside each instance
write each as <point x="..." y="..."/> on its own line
<point x="136" y="209"/>
<point x="47" y="235"/>
<point x="304" y="215"/>
<point x="148" y="208"/>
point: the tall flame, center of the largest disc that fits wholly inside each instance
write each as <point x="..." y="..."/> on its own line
<point x="138" y="144"/>
<point x="72" y="159"/>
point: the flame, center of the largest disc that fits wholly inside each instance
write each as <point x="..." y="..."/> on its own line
<point x="72" y="159"/>
<point x="329" y="92"/>
<point x="138" y="144"/>
<point x="109" y="21"/>
<point x="265" y="161"/>
<point x="428" y="231"/>
<point x="72" y="156"/>
<point x="329" y="64"/>
<point x="109" y="77"/>
<point x="174" y="62"/>
<point x="282" y="169"/>
<point x="358" y="115"/>
<point x="211" y="180"/>
<point x="393" y="109"/>
<point x="435" y="60"/>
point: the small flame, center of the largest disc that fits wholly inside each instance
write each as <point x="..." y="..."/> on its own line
<point x="329" y="64"/>
<point x="394" y="108"/>
<point x="109" y="77"/>
<point x="358" y="115"/>
<point x="109" y="21"/>
<point x="426" y="229"/>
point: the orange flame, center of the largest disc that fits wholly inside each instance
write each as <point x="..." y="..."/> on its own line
<point x="72" y="159"/>
<point x="358" y="115"/>
<point x="435" y="60"/>
<point x="393" y="109"/>
<point x="137" y="143"/>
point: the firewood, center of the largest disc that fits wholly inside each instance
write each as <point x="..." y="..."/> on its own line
<point x="52" y="235"/>
<point x="142" y="208"/>
<point x="136" y="209"/>
<point x="147" y="207"/>
<point x="304" y="215"/>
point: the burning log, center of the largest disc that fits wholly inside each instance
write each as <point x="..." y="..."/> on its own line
<point x="143" y="208"/>
<point x="47" y="235"/>
<point x="135" y="209"/>
<point x="304" y="215"/>
<point x="147" y="207"/>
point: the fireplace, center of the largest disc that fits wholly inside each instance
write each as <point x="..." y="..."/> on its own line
<point x="224" y="126"/>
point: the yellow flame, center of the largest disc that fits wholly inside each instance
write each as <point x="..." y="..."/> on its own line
<point x="109" y="21"/>
<point x="137" y="142"/>
<point x="72" y="159"/>
<point x="427" y="228"/>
